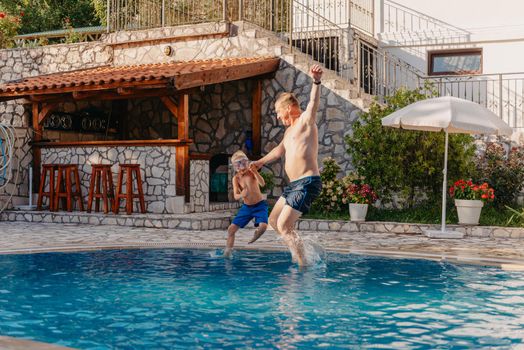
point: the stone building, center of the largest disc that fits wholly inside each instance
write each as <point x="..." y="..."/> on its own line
<point x="220" y="111"/>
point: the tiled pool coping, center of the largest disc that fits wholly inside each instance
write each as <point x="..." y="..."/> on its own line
<point x="8" y="343"/>
<point x="20" y="238"/>
<point x="221" y="219"/>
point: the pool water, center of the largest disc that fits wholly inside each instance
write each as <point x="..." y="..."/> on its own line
<point x="179" y="299"/>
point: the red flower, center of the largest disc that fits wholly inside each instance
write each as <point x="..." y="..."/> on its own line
<point x="2" y="15"/>
<point x="22" y="14"/>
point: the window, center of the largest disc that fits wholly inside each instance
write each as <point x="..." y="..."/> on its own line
<point x="455" y="62"/>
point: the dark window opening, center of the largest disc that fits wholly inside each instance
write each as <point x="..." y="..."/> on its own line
<point x="218" y="170"/>
<point x="323" y="49"/>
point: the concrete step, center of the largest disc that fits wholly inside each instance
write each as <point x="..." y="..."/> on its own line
<point x="219" y="219"/>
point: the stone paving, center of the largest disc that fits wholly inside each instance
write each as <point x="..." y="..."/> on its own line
<point x="23" y="237"/>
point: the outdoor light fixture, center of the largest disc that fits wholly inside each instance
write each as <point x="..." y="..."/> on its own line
<point x="168" y="50"/>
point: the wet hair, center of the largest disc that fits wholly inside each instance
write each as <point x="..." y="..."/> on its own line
<point x="286" y="99"/>
<point x="238" y="155"/>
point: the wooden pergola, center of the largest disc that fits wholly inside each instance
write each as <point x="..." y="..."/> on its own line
<point x="171" y="82"/>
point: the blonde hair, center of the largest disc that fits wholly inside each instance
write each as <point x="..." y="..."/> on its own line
<point x="238" y="155"/>
<point x="286" y="99"/>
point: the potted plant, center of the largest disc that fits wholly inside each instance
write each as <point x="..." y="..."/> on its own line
<point x="359" y="196"/>
<point x="469" y="200"/>
<point x="269" y="180"/>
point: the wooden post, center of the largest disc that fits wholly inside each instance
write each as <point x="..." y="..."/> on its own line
<point x="37" y="153"/>
<point x="181" y="112"/>
<point x="182" y="152"/>
<point x="182" y="171"/>
<point x="256" y="118"/>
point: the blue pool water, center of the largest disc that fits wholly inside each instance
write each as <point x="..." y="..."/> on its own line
<point x="174" y="299"/>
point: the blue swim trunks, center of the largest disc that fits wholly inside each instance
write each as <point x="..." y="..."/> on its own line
<point x="258" y="211"/>
<point x="299" y="194"/>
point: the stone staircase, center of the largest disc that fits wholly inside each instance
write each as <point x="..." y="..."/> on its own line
<point x="274" y="45"/>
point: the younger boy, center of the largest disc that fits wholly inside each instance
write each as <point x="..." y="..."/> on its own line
<point x="246" y="186"/>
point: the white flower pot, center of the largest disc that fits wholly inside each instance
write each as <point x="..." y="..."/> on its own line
<point x="357" y="212"/>
<point x="469" y="211"/>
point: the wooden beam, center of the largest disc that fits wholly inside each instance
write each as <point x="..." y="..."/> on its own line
<point x="112" y="143"/>
<point x="82" y="95"/>
<point x="182" y="153"/>
<point x="45" y="111"/>
<point x="170" y="105"/>
<point x="154" y="83"/>
<point x="125" y="91"/>
<point x="37" y="153"/>
<point x="256" y="107"/>
<point x="183" y="117"/>
<point x="50" y="98"/>
<point x="219" y="75"/>
<point x="182" y="171"/>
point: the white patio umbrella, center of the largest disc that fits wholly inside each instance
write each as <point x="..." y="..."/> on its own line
<point x="451" y="115"/>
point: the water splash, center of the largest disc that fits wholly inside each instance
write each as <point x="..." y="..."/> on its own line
<point x="314" y="254"/>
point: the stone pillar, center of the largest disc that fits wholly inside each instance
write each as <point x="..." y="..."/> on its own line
<point x="199" y="185"/>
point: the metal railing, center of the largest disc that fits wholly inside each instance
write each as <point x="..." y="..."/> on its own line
<point x="143" y="14"/>
<point x="381" y="74"/>
<point x="322" y="29"/>
<point x="399" y="18"/>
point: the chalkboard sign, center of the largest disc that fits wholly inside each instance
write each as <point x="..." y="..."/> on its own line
<point x="89" y="120"/>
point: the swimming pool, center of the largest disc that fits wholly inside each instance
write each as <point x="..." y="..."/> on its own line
<point x="174" y="299"/>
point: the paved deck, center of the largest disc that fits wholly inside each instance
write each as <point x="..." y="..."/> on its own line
<point x="20" y="237"/>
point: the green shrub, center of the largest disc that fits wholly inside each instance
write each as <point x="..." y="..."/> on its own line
<point x="334" y="196"/>
<point x="330" y="198"/>
<point x="9" y="26"/>
<point x="504" y="171"/>
<point x="269" y="179"/>
<point x="404" y="163"/>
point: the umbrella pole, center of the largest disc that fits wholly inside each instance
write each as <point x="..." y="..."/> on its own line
<point x="444" y="184"/>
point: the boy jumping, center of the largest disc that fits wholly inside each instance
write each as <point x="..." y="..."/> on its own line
<point x="246" y="185"/>
<point x="300" y="146"/>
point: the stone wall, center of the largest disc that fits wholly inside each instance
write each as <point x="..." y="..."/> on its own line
<point x="334" y="118"/>
<point x="148" y="46"/>
<point x="26" y="62"/>
<point x="199" y="185"/>
<point x="157" y="165"/>
<point x="220" y="115"/>
<point x="149" y="119"/>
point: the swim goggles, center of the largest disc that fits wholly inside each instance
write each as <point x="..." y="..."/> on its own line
<point x="242" y="163"/>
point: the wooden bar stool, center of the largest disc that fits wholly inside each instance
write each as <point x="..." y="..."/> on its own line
<point x="129" y="170"/>
<point x="47" y="169"/>
<point x="101" y="187"/>
<point x="64" y="187"/>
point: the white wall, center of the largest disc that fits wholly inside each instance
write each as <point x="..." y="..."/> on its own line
<point x="413" y="27"/>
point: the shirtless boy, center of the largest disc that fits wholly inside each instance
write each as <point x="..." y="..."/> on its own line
<point x="246" y="186"/>
<point x="300" y="147"/>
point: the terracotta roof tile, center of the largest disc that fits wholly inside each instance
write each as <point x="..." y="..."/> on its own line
<point x="103" y="77"/>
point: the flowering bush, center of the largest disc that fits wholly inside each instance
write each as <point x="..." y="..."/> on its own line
<point x="462" y="189"/>
<point x="360" y="194"/>
<point x="332" y="195"/>
<point x="338" y="192"/>
<point x="503" y="170"/>
<point x="9" y="26"/>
